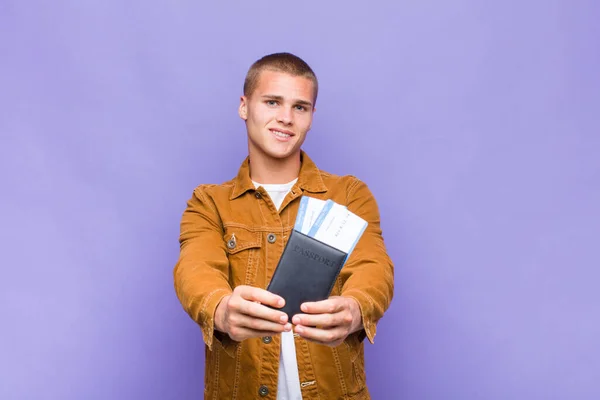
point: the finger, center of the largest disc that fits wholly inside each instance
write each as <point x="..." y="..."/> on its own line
<point x="241" y="333"/>
<point x="322" y="336"/>
<point x="323" y="320"/>
<point x="256" y="310"/>
<point x="329" y="306"/>
<point x="258" y="324"/>
<point x="262" y="296"/>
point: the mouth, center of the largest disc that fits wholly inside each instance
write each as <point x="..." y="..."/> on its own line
<point x="282" y="134"/>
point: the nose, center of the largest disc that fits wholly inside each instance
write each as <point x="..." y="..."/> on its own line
<point x="285" y="116"/>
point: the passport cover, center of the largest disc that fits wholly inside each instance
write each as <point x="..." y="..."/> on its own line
<point x="306" y="271"/>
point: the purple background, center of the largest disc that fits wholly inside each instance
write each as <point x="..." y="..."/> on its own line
<point x="475" y="123"/>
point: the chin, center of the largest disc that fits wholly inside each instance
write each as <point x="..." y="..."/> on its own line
<point x="280" y="155"/>
<point x="274" y="151"/>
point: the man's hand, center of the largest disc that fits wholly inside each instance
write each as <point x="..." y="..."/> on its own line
<point x="328" y="322"/>
<point x="244" y="314"/>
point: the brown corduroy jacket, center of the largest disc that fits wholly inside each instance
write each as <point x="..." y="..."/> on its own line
<point x="211" y="264"/>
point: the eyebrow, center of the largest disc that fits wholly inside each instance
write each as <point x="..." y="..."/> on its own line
<point x="280" y="98"/>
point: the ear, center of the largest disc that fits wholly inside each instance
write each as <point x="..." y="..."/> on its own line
<point x="243" y="109"/>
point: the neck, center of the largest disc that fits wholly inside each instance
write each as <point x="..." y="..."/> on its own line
<point x="269" y="170"/>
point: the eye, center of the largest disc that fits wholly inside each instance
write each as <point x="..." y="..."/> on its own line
<point x="300" y="108"/>
<point x="271" y="102"/>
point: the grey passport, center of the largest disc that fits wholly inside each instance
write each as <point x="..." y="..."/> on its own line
<point x="306" y="271"/>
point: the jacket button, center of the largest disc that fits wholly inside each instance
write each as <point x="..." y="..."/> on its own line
<point x="267" y="339"/>
<point x="231" y="244"/>
<point x="271" y="237"/>
<point x="263" y="391"/>
<point x="257" y="195"/>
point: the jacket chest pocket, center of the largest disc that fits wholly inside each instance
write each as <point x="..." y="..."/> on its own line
<point x="243" y="251"/>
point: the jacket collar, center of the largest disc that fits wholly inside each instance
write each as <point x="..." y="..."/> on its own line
<point x="309" y="178"/>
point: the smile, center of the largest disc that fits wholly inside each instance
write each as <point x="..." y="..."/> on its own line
<point x="281" y="135"/>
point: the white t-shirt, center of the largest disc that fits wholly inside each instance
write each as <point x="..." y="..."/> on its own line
<point x="288" y="385"/>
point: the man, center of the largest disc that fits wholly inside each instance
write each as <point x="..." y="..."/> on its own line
<point x="232" y="236"/>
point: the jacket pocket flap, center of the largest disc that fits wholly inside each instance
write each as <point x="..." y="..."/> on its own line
<point x="238" y="239"/>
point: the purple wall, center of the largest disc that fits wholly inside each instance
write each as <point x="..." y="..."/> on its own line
<point x="476" y="124"/>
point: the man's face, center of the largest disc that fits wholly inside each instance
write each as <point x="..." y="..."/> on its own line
<point x="278" y="114"/>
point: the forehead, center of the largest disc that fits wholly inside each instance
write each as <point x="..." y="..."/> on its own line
<point x="286" y="85"/>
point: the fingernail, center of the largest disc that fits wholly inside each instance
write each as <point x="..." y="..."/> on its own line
<point x="280" y="303"/>
<point x="298" y="329"/>
<point x="283" y="319"/>
<point x="296" y="320"/>
<point x="288" y="327"/>
<point x="303" y="307"/>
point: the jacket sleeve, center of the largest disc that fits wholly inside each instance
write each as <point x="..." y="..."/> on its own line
<point x="368" y="276"/>
<point x="202" y="270"/>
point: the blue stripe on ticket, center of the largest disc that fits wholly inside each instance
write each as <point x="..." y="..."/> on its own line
<point x="320" y="218"/>
<point x="301" y="213"/>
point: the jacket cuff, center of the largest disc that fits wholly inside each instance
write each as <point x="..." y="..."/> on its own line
<point x="366" y="311"/>
<point x="207" y="316"/>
